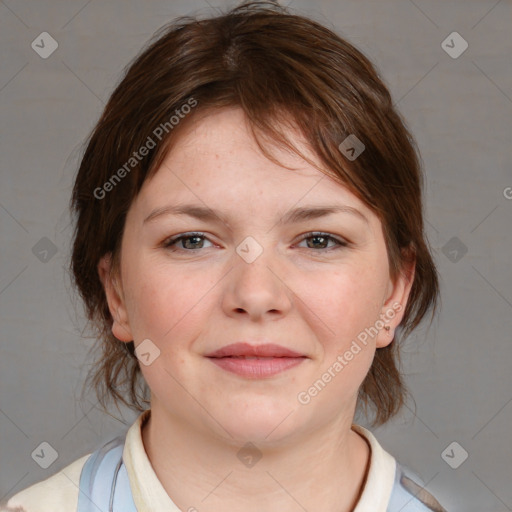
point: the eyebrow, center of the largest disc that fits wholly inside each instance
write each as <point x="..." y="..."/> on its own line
<point x="296" y="215"/>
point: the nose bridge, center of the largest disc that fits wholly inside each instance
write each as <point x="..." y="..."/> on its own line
<point x="256" y="256"/>
<point x="256" y="286"/>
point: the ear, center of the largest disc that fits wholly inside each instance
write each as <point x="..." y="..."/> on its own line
<point x="115" y="299"/>
<point x="393" y="308"/>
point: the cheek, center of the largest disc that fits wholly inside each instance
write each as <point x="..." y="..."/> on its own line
<point x="347" y="301"/>
<point x="165" y="307"/>
<point x="344" y="306"/>
<point x="164" y="302"/>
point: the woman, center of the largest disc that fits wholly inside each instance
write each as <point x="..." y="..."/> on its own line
<point x="249" y="240"/>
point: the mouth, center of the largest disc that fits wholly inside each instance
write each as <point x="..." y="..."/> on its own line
<point x="255" y="361"/>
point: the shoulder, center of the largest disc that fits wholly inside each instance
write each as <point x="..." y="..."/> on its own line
<point x="409" y="493"/>
<point x="391" y="486"/>
<point x="58" y="493"/>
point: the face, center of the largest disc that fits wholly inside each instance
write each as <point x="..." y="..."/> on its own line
<point x="253" y="273"/>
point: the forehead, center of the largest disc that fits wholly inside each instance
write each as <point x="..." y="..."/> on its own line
<point x="216" y="161"/>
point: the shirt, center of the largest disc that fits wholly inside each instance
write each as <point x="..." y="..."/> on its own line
<point x="385" y="483"/>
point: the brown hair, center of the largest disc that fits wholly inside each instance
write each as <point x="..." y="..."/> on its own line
<point x="282" y="70"/>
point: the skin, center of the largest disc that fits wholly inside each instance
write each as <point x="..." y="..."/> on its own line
<point x="296" y="294"/>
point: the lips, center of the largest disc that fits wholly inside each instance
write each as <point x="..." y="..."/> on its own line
<point x="256" y="361"/>
<point x="248" y="351"/>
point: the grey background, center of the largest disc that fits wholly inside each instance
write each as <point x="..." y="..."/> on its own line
<point x="459" y="111"/>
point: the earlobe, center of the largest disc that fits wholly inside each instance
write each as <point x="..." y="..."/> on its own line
<point x="393" y="309"/>
<point x="115" y="299"/>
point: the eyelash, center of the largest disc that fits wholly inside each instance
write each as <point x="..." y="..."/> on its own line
<point x="167" y="244"/>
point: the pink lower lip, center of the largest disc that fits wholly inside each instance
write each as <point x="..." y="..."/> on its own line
<point x="256" y="368"/>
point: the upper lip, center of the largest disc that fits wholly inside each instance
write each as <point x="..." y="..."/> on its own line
<point x="246" y="349"/>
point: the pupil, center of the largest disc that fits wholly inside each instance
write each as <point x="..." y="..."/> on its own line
<point x="190" y="238"/>
<point x="318" y="237"/>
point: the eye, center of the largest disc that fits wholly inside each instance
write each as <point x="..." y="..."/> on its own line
<point x="195" y="240"/>
<point x="320" y="240"/>
<point x="189" y="241"/>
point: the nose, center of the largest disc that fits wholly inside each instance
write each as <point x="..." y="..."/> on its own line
<point x="257" y="288"/>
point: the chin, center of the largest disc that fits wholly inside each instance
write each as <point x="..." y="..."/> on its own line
<point x="265" y="421"/>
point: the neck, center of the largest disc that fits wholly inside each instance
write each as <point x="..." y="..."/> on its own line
<point x="322" y="470"/>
